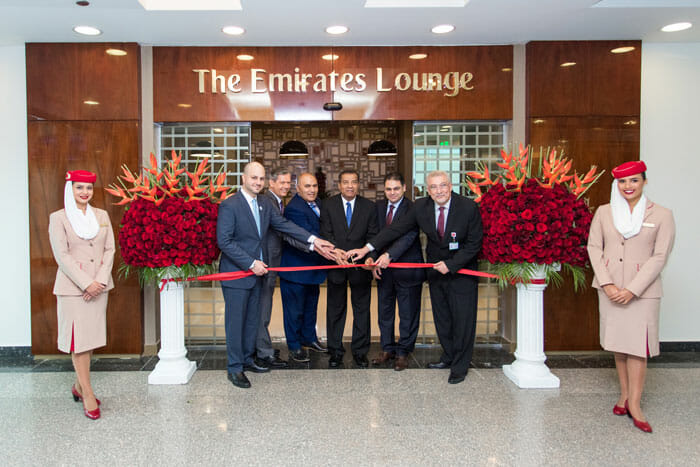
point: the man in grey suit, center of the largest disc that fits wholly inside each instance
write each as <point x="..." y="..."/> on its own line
<point x="279" y="183"/>
<point x="242" y="228"/>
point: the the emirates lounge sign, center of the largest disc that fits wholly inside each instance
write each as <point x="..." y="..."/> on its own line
<point x="261" y="81"/>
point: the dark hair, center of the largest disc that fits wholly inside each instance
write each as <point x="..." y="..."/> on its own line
<point x="394" y="176"/>
<point x="279" y="171"/>
<point x="348" y="171"/>
<point x="644" y="175"/>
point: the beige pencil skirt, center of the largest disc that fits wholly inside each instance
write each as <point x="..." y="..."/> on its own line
<point x="85" y="322"/>
<point x="632" y="329"/>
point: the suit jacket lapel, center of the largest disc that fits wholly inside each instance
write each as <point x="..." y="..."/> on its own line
<point x="649" y="209"/>
<point x="450" y="219"/>
<point x="249" y="213"/>
<point x="433" y="229"/>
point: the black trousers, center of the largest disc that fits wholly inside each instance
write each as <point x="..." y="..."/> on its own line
<point x="336" y="311"/>
<point x="454" y="313"/>
<point x="408" y="298"/>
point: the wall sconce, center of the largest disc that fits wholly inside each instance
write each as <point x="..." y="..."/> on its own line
<point x="294" y="149"/>
<point x="382" y="148"/>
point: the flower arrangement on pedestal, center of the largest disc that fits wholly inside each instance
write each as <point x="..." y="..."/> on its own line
<point x="169" y="227"/>
<point x="534" y="222"/>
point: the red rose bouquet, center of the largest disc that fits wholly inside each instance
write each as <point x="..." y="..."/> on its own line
<point x="169" y="227"/>
<point x="536" y="220"/>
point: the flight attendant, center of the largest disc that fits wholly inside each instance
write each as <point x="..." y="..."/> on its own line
<point x="629" y="243"/>
<point x="83" y="245"/>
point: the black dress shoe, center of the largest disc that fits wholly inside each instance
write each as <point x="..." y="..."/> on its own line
<point x="438" y="365"/>
<point x="315" y="346"/>
<point x="239" y="380"/>
<point x="299" y="355"/>
<point x="361" y="360"/>
<point x="256" y="367"/>
<point x="335" y="361"/>
<point x="277" y="352"/>
<point x="455" y="378"/>
<point x="274" y="363"/>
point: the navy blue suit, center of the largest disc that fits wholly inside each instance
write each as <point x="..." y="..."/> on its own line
<point x="241" y="244"/>
<point x="300" y="289"/>
<point x="402" y="285"/>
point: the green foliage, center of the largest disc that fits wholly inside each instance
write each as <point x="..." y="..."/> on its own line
<point x="153" y="276"/>
<point x="513" y="273"/>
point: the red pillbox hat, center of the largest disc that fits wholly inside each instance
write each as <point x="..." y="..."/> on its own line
<point x="629" y="168"/>
<point x="82" y="176"/>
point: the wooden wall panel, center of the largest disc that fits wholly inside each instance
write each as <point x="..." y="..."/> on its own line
<point x="601" y="83"/>
<point x="177" y="96"/>
<point x="61" y="77"/>
<point x="571" y="319"/>
<point x="100" y="147"/>
<point x="591" y="111"/>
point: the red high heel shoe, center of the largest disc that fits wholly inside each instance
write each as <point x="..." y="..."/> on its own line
<point x="91" y="414"/>
<point x="644" y="426"/>
<point x="77" y="397"/>
<point x="617" y="410"/>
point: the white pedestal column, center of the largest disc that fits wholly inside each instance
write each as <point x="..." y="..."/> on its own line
<point x="173" y="367"/>
<point x="528" y="370"/>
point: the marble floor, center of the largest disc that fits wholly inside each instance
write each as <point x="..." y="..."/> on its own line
<point x="350" y="417"/>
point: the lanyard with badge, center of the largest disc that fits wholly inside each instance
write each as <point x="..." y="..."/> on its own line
<point x="454" y="245"/>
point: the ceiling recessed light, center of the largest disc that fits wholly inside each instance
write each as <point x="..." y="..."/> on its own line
<point x="218" y="130"/>
<point x="245" y="57"/>
<point x="87" y="30"/>
<point x="330" y="57"/>
<point x="622" y="50"/>
<point x="675" y="27"/>
<point x="185" y="106"/>
<point x="538" y="121"/>
<point x="91" y="102"/>
<point x="506" y="69"/>
<point x="415" y="3"/>
<point x="567" y="64"/>
<point x="417" y="56"/>
<point x="443" y="29"/>
<point x="116" y="52"/>
<point x="191" y="5"/>
<point x="233" y="30"/>
<point x="338" y="29"/>
<point x="631" y="122"/>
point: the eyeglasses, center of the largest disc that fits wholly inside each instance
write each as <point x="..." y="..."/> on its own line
<point x="441" y="187"/>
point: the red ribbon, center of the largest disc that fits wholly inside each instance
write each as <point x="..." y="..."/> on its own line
<point x="230" y="276"/>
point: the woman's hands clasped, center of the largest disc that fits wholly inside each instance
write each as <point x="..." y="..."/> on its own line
<point x="93" y="290"/>
<point x="617" y="295"/>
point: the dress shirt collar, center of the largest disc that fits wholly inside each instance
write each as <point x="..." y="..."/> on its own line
<point x="437" y="210"/>
<point x="345" y="201"/>
<point x="396" y="205"/>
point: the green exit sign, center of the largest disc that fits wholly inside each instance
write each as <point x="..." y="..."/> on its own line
<point x="444" y="143"/>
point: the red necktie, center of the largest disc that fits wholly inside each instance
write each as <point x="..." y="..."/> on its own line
<point x="390" y="215"/>
<point x="441" y="223"/>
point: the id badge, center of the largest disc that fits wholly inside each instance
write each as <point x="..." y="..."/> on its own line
<point x="453" y="245"/>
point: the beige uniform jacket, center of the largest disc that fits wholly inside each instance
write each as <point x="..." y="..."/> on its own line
<point x="634" y="263"/>
<point x="80" y="262"/>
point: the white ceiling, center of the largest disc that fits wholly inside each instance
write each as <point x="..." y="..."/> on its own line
<point x="302" y="22"/>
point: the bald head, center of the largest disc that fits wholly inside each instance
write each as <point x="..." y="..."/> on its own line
<point x="307" y="187"/>
<point x="253" y="178"/>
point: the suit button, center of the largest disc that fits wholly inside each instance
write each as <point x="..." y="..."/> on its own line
<point x="620" y="260"/>
<point x="91" y="244"/>
<point x="92" y="260"/>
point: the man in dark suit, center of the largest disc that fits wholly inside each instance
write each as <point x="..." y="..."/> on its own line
<point x="279" y="183"/>
<point x="242" y="227"/>
<point x="452" y="225"/>
<point x="397" y="285"/>
<point x="348" y="221"/>
<point x="300" y="289"/>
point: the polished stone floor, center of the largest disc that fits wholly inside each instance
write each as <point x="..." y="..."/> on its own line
<point x="351" y="417"/>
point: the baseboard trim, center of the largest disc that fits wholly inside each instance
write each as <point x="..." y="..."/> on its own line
<point x="16" y="352"/>
<point x="680" y="346"/>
